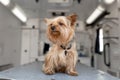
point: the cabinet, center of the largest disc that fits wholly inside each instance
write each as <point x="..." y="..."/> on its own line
<point x="29" y="42"/>
<point x="29" y="46"/>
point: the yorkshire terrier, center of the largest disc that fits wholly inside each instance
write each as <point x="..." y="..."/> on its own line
<point x="62" y="56"/>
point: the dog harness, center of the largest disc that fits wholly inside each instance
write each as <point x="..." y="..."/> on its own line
<point x="66" y="48"/>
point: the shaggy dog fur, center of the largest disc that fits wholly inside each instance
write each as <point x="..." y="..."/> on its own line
<point x="62" y="56"/>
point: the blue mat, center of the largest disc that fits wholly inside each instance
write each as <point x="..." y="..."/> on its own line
<point x="33" y="71"/>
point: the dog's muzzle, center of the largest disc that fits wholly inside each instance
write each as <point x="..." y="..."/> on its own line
<point x="53" y="28"/>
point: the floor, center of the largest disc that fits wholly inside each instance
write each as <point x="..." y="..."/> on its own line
<point x="33" y="71"/>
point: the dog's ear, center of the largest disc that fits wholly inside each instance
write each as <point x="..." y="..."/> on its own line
<point x="72" y="18"/>
<point x="47" y="21"/>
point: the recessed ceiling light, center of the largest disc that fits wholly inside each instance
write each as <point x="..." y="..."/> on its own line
<point x="5" y="2"/>
<point x="97" y="12"/>
<point x="18" y="12"/>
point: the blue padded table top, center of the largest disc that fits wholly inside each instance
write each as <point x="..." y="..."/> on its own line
<point x="33" y="71"/>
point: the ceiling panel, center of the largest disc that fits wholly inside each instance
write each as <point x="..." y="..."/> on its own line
<point x="33" y="9"/>
<point x="28" y="3"/>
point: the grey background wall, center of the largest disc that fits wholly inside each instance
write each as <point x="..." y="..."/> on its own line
<point x="10" y="37"/>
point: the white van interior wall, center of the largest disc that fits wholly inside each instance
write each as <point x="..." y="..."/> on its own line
<point x="114" y="43"/>
<point x="10" y="37"/>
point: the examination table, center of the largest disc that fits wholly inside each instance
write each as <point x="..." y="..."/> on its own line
<point x="33" y="71"/>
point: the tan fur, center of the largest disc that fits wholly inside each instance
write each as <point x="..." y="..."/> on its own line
<point x="55" y="59"/>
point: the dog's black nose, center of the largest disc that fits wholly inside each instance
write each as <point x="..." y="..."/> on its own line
<point x="53" y="28"/>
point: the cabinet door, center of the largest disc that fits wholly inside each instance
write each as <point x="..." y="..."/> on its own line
<point x="34" y="44"/>
<point x="25" y="47"/>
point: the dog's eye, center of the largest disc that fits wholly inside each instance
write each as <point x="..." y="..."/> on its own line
<point x="61" y="24"/>
<point x="50" y="24"/>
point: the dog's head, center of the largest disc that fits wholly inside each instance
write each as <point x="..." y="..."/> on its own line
<point x="61" y="29"/>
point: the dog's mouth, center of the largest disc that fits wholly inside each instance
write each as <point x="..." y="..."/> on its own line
<point x="55" y="32"/>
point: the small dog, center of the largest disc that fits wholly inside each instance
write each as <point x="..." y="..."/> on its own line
<point x="62" y="56"/>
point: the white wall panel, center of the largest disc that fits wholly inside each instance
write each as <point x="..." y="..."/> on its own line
<point x="25" y="47"/>
<point x="34" y="34"/>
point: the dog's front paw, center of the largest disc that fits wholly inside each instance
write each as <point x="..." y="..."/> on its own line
<point x="49" y="72"/>
<point x="73" y="73"/>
